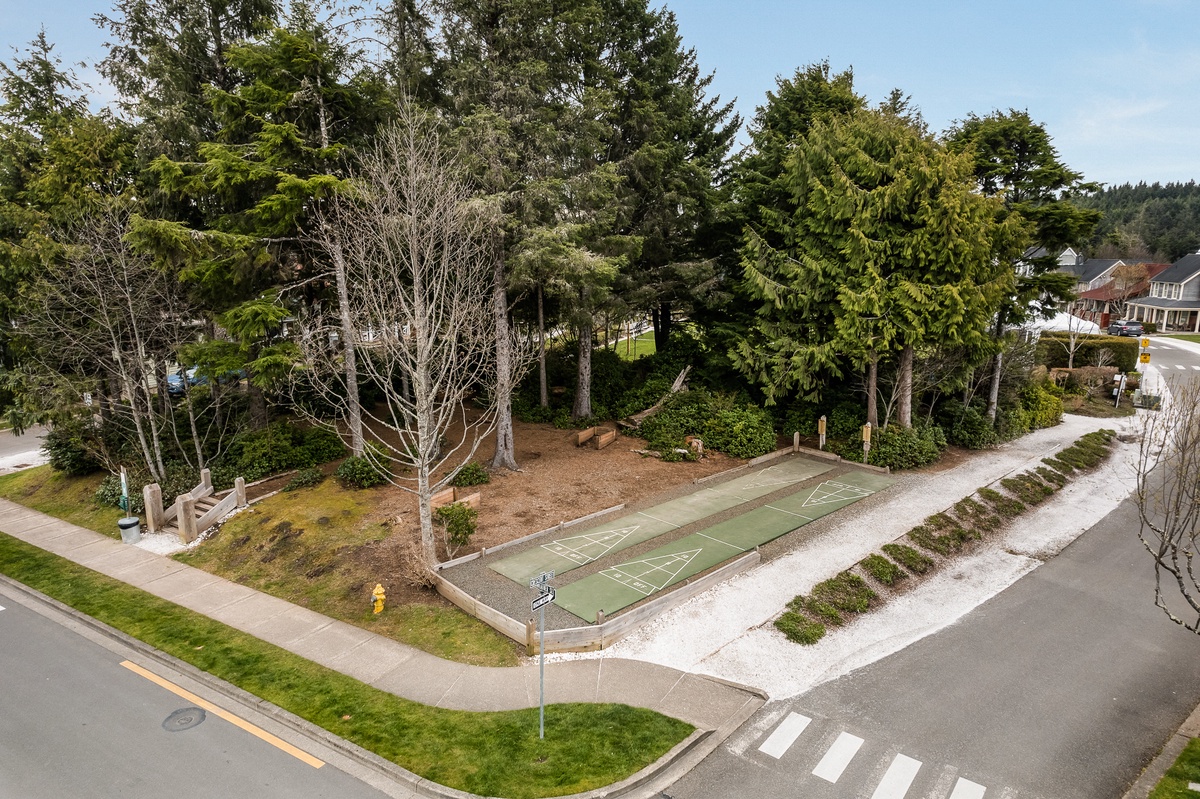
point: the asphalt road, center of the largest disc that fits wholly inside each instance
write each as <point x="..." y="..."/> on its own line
<point x="74" y="722"/>
<point x="14" y="445"/>
<point x="1064" y="686"/>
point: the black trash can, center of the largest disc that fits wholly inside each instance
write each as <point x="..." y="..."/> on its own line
<point x="131" y="529"/>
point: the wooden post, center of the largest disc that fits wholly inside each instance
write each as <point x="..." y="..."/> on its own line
<point x="530" y="638"/>
<point x="796" y="441"/>
<point x="600" y="616"/>
<point x="152" y="499"/>
<point x="206" y="478"/>
<point x="239" y="487"/>
<point x="186" y="518"/>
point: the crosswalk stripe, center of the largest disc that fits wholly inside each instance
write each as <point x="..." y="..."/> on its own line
<point x="1197" y="368"/>
<point x="965" y="789"/>
<point x="898" y="778"/>
<point x="1180" y="366"/>
<point x="838" y="757"/>
<point x="785" y="735"/>
<point x="1" y="607"/>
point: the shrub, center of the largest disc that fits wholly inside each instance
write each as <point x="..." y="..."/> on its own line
<point x="318" y="445"/>
<point x="1013" y="421"/>
<point x="908" y="557"/>
<point x="1045" y="409"/>
<point x="109" y="493"/>
<point x="1007" y="507"/>
<point x="744" y="432"/>
<point x="846" y="420"/>
<point x="473" y="474"/>
<point x="66" y="447"/>
<point x="800" y="629"/>
<point x="459" y="521"/>
<point x="1051" y="476"/>
<point x="899" y="447"/>
<point x="966" y="426"/>
<point x="306" y="478"/>
<point x="359" y="473"/>
<point x="847" y="592"/>
<point x="1052" y="352"/>
<point x="882" y="569"/>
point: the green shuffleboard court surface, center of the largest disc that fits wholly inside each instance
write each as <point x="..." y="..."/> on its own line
<point x="625" y="583"/>
<point x="573" y="551"/>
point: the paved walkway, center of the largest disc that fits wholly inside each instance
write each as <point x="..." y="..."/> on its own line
<point x="706" y="703"/>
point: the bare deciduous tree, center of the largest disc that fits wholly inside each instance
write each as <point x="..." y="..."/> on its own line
<point x="107" y="313"/>
<point x="419" y="294"/>
<point x="1168" y="497"/>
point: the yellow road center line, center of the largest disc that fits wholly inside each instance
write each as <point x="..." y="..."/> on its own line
<point x="258" y="732"/>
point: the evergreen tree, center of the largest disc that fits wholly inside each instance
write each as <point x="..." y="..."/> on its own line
<point x="1015" y="160"/>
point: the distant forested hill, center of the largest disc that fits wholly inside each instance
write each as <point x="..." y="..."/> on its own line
<point x="1153" y="221"/>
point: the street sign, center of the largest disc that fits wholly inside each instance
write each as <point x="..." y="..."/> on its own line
<point x="1145" y="357"/>
<point x="1145" y="343"/>
<point x="543" y="599"/>
<point x="541" y="580"/>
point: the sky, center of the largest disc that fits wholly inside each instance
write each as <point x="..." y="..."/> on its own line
<point x="1115" y="82"/>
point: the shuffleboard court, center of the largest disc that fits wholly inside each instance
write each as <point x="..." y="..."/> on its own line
<point x="625" y="583"/>
<point x="573" y="551"/>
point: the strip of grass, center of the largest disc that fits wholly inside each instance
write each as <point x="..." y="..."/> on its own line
<point x="882" y="569"/>
<point x="492" y="754"/>
<point x="71" y="499"/>
<point x="909" y="558"/>
<point x="1174" y="784"/>
<point x="641" y="346"/>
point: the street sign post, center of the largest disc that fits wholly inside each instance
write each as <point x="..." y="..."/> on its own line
<point x="545" y="597"/>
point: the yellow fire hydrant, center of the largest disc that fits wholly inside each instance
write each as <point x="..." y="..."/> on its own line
<point x="378" y="596"/>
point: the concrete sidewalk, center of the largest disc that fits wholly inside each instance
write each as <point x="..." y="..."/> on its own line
<point x="706" y="703"/>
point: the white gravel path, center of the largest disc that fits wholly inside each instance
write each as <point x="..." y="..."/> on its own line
<point x="726" y="631"/>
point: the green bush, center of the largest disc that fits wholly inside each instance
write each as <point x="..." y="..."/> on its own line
<point x="966" y="425"/>
<point x="473" y="474"/>
<point x="881" y="569"/>
<point x="899" y="447"/>
<point x="908" y="557"/>
<point x="459" y="520"/>
<point x="306" y="478"/>
<point x="744" y="432"/>
<point x="846" y="421"/>
<point x="1013" y="421"/>
<point x="66" y="447"/>
<point x="281" y="447"/>
<point x="800" y="629"/>
<point x="359" y="473"/>
<point x="1052" y="352"/>
<point x="109" y="493"/>
<point x="1045" y="409"/>
<point x="318" y="445"/>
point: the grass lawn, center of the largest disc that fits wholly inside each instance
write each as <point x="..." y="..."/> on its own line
<point x="62" y="496"/>
<point x="638" y="347"/>
<point x="311" y="547"/>
<point x="493" y="754"/>
<point x="1099" y="407"/>
<point x="1192" y="337"/>
<point x="1174" y="784"/>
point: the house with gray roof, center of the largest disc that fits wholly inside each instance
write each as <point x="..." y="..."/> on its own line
<point x="1091" y="273"/>
<point x="1174" y="300"/>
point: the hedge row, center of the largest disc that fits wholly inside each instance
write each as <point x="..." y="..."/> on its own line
<point x="1052" y="350"/>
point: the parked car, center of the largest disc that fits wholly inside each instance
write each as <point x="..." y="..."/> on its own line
<point x="1126" y="327"/>
<point x="175" y="384"/>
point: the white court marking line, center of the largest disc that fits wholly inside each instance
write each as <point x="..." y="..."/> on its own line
<point x="838" y="757"/>
<point x="660" y="521"/>
<point x="965" y="789"/>
<point x="789" y="513"/>
<point x="719" y="541"/>
<point x="785" y="735"/>
<point x="898" y="778"/>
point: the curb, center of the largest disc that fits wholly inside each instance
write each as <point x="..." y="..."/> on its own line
<point x="1154" y="772"/>
<point x="658" y="775"/>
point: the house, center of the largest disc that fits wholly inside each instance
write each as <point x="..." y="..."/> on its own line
<point x="1174" y="300"/>
<point x="1066" y="258"/>
<point x="1111" y="300"/>
<point x="1091" y="273"/>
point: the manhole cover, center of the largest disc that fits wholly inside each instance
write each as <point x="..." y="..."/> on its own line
<point x="183" y="719"/>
